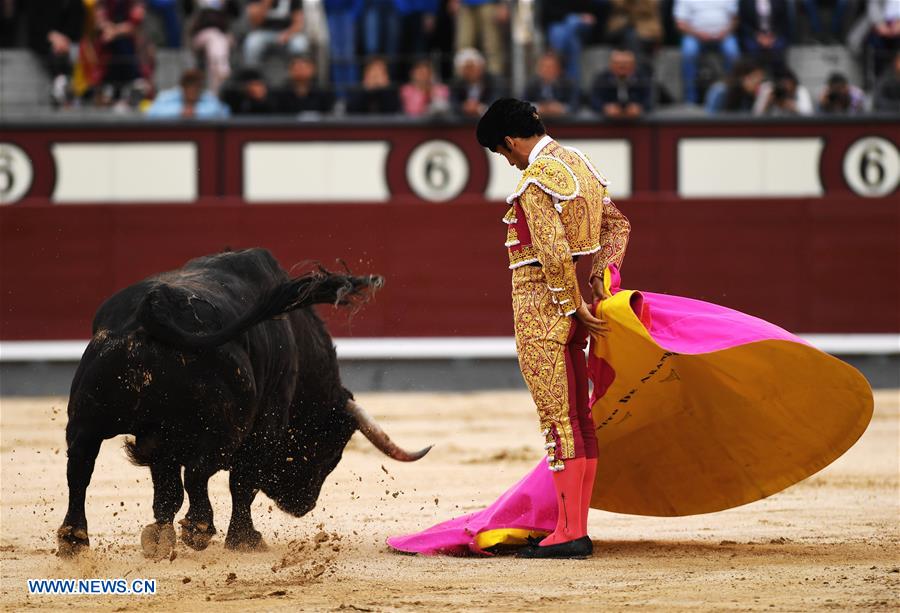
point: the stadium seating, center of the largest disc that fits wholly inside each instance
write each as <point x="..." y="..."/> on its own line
<point x="24" y="85"/>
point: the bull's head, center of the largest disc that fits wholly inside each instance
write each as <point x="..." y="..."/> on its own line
<point x="311" y="453"/>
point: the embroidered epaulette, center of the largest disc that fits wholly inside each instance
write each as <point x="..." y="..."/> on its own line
<point x="603" y="180"/>
<point x="552" y="176"/>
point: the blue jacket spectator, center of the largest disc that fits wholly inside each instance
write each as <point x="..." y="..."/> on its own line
<point x="188" y="100"/>
<point x="621" y="92"/>
<point x="550" y="91"/>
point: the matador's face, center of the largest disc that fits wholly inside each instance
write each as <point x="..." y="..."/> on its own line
<point x="514" y="153"/>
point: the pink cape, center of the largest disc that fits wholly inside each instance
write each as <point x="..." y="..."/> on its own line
<point x="730" y="379"/>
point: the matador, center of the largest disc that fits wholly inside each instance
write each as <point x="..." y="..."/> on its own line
<point x="560" y="211"/>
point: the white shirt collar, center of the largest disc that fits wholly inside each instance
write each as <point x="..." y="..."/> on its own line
<point x="546" y="140"/>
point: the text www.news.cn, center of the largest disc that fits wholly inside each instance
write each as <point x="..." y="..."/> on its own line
<point x="92" y="586"/>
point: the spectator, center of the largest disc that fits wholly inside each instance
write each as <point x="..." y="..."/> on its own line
<point x="301" y="93"/>
<point x="188" y="101"/>
<point x="251" y="97"/>
<point x="568" y="24"/>
<point x="887" y="90"/>
<point x="635" y="25"/>
<point x="783" y="96"/>
<point x="838" y="9"/>
<point x="705" y="24"/>
<point x="619" y="92"/>
<point x="376" y="96"/>
<point x="484" y="21"/>
<point x="839" y="97"/>
<point x="417" y="23"/>
<point x="54" y="32"/>
<point x="342" y="16"/>
<point x="550" y="91"/>
<point x="209" y="36"/>
<point x="473" y="89"/>
<point x="274" y="24"/>
<point x="380" y="28"/>
<point x="124" y="52"/>
<point x="884" y="15"/>
<point x="423" y="95"/>
<point x="738" y="93"/>
<point x="765" y="27"/>
<point x="167" y="10"/>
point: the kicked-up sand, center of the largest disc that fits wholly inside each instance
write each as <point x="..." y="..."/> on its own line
<point x="831" y="542"/>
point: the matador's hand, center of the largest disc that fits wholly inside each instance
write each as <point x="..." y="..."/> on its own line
<point x="594" y="325"/>
<point x="599" y="289"/>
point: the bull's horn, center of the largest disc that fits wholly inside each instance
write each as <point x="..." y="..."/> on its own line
<point x="372" y="431"/>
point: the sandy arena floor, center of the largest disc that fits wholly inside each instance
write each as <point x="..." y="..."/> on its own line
<point x="831" y="542"/>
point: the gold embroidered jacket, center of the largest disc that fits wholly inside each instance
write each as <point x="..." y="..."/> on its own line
<point x="562" y="209"/>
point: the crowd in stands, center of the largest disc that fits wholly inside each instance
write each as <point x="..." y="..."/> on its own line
<point x="425" y="58"/>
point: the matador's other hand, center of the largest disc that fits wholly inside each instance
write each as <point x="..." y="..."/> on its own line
<point x="594" y="325"/>
<point x="599" y="290"/>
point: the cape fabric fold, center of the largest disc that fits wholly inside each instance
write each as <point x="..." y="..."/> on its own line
<point x="698" y="408"/>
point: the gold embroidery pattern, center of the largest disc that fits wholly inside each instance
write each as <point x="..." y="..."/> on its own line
<point x="548" y="235"/>
<point x="512" y="236"/>
<point x="541" y="335"/>
<point x="582" y="216"/>
<point x="519" y="257"/>
<point x="551" y="176"/>
<point x="614" y="233"/>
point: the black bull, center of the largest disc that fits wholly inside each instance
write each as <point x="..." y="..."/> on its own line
<point x="220" y="365"/>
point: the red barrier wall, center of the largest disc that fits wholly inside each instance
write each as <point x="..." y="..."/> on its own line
<point x="827" y="264"/>
<point x="808" y="265"/>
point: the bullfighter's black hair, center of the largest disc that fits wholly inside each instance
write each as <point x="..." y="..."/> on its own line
<point x="508" y="117"/>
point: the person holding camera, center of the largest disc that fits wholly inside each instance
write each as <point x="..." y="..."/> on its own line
<point x="783" y="96"/>
<point x="839" y="97"/>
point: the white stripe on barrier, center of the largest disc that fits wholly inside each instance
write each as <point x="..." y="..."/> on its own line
<point x="440" y="348"/>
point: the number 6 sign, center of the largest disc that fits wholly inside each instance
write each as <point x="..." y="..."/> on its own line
<point x="16" y="173"/>
<point x="437" y="170"/>
<point x="872" y="167"/>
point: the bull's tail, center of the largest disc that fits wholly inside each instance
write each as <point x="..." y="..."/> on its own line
<point x="318" y="287"/>
<point x="141" y="451"/>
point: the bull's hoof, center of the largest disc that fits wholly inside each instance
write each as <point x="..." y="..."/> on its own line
<point x="250" y="540"/>
<point x="158" y="540"/>
<point x="71" y="541"/>
<point x="196" y="535"/>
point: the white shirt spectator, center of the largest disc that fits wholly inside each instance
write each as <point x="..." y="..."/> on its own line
<point x="883" y="11"/>
<point x="707" y="16"/>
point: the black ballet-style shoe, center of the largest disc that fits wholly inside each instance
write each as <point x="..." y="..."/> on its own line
<point x="578" y="549"/>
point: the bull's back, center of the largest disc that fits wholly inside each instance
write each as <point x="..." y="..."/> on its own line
<point x="132" y="384"/>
